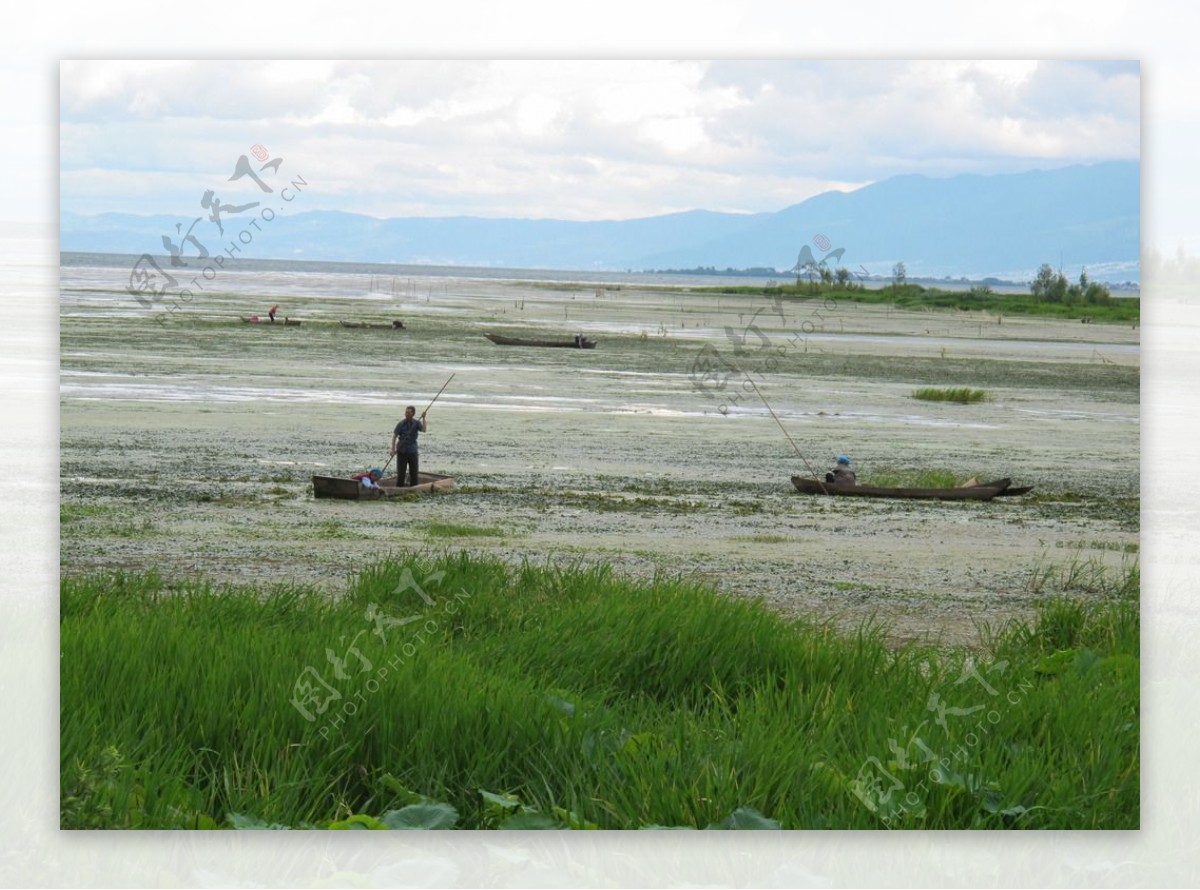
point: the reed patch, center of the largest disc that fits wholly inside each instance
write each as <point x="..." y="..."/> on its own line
<point x="586" y="698"/>
<point x="960" y="394"/>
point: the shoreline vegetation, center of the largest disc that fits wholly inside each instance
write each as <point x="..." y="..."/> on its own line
<point x="1103" y="308"/>
<point x="454" y="690"/>
<point x="944" y="282"/>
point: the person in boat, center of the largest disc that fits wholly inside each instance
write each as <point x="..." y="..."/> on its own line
<point x="271" y="312"/>
<point x="370" y="478"/>
<point x="397" y="324"/>
<point x="841" y="474"/>
<point x="404" y="445"/>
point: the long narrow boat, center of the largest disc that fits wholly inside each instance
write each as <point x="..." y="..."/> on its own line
<point x="984" y="492"/>
<point x="352" y="490"/>
<point x="576" y="343"/>
<point x="396" y="325"/>
<point x="254" y="319"/>
<point x="1009" y="491"/>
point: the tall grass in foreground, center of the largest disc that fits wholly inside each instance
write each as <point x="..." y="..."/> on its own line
<point x="622" y="704"/>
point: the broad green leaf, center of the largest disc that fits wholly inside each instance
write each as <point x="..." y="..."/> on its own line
<point x="1056" y="663"/>
<point x="422" y="817"/>
<point x="402" y="791"/>
<point x="532" y="822"/>
<point x="504" y="801"/>
<point x="666" y="828"/>
<point x="574" y="821"/>
<point x="358" y="822"/>
<point x="746" y="819"/>
<point x="252" y="823"/>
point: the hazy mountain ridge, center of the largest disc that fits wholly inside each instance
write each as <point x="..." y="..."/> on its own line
<point x="1002" y="225"/>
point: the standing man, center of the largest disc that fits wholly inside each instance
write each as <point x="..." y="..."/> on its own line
<point x="404" y="445"/>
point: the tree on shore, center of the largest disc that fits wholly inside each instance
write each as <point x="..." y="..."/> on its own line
<point x="1053" y="287"/>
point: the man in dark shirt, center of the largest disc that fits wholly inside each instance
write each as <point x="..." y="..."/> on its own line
<point x="404" y="445"/>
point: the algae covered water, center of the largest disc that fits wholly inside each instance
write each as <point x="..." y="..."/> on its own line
<point x="188" y="442"/>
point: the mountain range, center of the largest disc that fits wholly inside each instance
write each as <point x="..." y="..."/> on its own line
<point x="975" y="226"/>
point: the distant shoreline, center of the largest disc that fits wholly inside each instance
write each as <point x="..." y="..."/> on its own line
<point x="700" y="276"/>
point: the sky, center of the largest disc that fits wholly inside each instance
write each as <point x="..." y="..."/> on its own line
<point x="576" y="140"/>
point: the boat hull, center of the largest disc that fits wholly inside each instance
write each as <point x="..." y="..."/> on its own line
<point x="501" y="340"/>
<point x="968" y="493"/>
<point x="1009" y="491"/>
<point x="351" y="490"/>
<point x="283" y="322"/>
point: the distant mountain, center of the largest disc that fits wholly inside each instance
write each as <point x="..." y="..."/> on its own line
<point x="1004" y="226"/>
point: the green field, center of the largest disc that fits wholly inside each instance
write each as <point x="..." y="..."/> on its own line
<point x="473" y="693"/>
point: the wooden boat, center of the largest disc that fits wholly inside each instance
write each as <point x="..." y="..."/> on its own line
<point x="575" y="343"/>
<point x="984" y="492"/>
<point x="352" y="490"/>
<point x="254" y="319"/>
<point x="1009" y="491"/>
<point x="396" y="325"/>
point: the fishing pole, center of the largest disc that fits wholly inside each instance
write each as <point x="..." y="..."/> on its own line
<point x="785" y="432"/>
<point x="423" y="413"/>
<point x="439" y="392"/>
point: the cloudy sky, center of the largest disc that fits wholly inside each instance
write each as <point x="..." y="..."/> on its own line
<point x="572" y="139"/>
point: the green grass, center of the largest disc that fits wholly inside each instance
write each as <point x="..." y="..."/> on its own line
<point x="889" y="477"/>
<point x="457" y="530"/>
<point x="68" y="513"/>
<point x="763" y="539"/>
<point x="332" y="528"/>
<point x="1116" y="310"/>
<point x="961" y="394"/>
<point x="599" y="700"/>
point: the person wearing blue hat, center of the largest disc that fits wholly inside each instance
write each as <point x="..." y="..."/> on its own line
<point x="842" y="474"/>
<point x="369" y="479"/>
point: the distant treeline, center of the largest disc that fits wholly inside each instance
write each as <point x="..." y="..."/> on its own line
<point x="1051" y="305"/>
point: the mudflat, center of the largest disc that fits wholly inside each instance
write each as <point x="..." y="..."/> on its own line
<point x="188" y="444"/>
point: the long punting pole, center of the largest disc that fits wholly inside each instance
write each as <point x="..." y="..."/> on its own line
<point x="785" y="432"/>
<point x="439" y="392"/>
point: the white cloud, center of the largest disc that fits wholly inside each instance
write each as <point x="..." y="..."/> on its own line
<point x="586" y="139"/>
